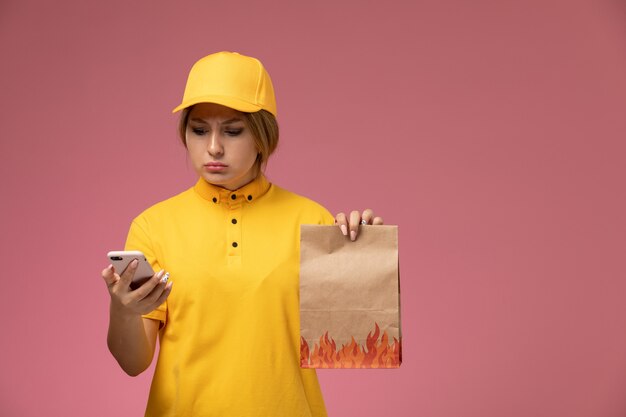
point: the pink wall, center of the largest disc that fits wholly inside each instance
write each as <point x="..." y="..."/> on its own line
<point x="492" y="132"/>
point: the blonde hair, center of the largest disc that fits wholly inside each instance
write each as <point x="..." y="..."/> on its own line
<point x="262" y="124"/>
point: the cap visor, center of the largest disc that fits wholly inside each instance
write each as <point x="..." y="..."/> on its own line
<point x="233" y="103"/>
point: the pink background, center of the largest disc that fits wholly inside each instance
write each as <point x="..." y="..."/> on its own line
<point x="491" y="132"/>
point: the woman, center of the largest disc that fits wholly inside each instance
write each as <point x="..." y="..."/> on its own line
<point x="229" y="332"/>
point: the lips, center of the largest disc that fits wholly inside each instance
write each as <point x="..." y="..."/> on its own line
<point x="215" y="167"/>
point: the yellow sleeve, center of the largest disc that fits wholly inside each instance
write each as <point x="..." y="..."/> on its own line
<point x="327" y="218"/>
<point x="139" y="239"/>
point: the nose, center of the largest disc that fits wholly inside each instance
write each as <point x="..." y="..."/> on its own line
<point x="215" y="147"/>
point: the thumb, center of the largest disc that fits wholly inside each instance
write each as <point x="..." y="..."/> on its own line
<point x="109" y="275"/>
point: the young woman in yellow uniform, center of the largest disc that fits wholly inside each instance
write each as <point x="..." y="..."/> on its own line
<point x="224" y="303"/>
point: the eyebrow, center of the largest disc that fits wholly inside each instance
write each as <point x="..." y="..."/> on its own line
<point x="226" y="122"/>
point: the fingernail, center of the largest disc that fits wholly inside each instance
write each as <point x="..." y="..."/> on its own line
<point x="165" y="277"/>
<point x="110" y="267"/>
<point x="344" y="230"/>
<point x="134" y="263"/>
<point x="353" y="235"/>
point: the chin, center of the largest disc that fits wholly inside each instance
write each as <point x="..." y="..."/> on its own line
<point x="216" y="178"/>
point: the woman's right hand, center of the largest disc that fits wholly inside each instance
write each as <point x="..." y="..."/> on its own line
<point x="142" y="300"/>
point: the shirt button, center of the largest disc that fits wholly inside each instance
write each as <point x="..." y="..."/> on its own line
<point x="235" y="244"/>
<point x="233" y="196"/>
<point x="214" y="200"/>
<point x="234" y="221"/>
<point x="249" y="197"/>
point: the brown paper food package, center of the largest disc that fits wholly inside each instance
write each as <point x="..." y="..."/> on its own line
<point x="349" y="298"/>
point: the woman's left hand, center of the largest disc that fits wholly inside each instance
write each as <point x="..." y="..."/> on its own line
<point x="351" y="224"/>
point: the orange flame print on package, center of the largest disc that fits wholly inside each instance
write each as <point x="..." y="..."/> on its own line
<point x="375" y="353"/>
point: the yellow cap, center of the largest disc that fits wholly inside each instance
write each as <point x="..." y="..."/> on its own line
<point x="232" y="80"/>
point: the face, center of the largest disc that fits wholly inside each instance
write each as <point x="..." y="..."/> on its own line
<point x="221" y="146"/>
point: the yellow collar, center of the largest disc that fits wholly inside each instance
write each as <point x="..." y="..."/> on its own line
<point x="249" y="192"/>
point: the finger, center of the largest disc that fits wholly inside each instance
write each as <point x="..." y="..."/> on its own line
<point x="367" y="216"/>
<point x="341" y="220"/>
<point x="377" y="220"/>
<point x="156" y="292"/>
<point x="355" y="219"/>
<point x="165" y="294"/>
<point x="162" y="291"/>
<point x="126" y="277"/>
<point x="146" y="288"/>
<point x="109" y="276"/>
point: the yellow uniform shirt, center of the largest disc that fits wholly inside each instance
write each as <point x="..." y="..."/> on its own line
<point x="229" y="342"/>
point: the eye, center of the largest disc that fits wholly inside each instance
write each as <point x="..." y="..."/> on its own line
<point x="233" y="132"/>
<point x="198" y="131"/>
